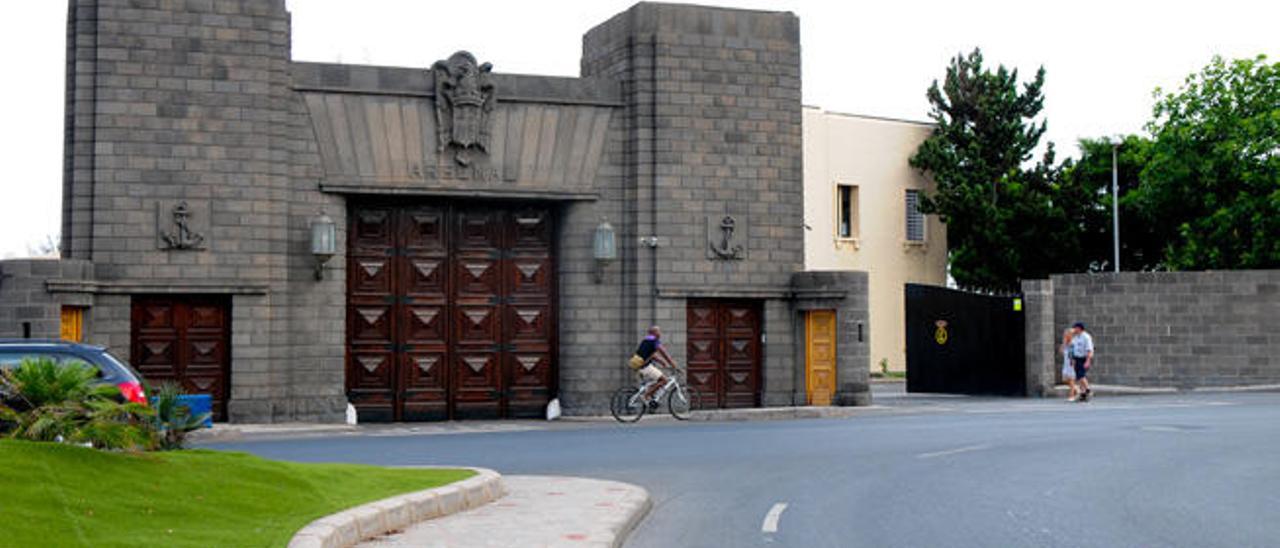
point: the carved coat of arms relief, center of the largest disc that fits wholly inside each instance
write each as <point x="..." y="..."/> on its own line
<point x="464" y="99"/>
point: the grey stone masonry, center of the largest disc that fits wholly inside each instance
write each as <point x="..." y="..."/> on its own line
<point x="198" y="154"/>
<point x="1171" y="329"/>
<point x="712" y="129"/>
<point x="189" y="102"/>
<point x="27" y="305"/>
<point x="846" y="293"/>
<point x="1043" y="362"/>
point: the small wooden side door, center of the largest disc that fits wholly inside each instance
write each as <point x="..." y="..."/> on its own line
<point x="820" y="356"/>
<point x="72" y="326"/>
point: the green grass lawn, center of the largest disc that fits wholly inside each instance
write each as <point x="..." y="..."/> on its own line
<point x="62" y="495"/>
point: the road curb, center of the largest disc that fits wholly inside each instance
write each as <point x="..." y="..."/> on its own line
<point x="638" y="513"/>
<point x="1116" y="390"/>
<point x="351" y="526"/>
<point x="222" y="432"/>
<point x="745" y="414"/>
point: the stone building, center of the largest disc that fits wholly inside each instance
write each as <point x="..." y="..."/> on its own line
<point x="861" y="198"/>
<point x="438" y="242"/>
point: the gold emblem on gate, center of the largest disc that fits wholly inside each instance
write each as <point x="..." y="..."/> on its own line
<point x="940" y="335"/>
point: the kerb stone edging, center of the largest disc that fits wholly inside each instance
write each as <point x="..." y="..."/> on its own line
<point x="349" y="527"/>
<point x="638" y="507"/>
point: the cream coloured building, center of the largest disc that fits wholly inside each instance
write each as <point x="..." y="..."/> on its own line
<point x="860" y="197"/>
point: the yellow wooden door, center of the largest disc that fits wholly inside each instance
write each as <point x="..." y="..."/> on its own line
<point x="820" y="356"/>
<point x="73" y="323"/>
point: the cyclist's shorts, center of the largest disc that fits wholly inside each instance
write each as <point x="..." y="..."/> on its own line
<point x="650" y="373"/>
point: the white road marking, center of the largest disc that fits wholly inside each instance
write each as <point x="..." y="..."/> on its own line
<point x="770" y="524"/>
<point x="953" y="451"/>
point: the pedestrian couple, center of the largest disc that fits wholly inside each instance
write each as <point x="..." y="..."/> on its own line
<point x="1077" y="358"/>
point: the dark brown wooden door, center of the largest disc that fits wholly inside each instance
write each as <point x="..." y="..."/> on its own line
<point x="187" y="340"/>
<point x="723" y="351"/>
<point x="451" y="312"/>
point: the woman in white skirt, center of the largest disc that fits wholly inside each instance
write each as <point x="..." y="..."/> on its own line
<point x="1068" y="372"/>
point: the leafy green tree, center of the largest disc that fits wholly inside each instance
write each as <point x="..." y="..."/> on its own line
<point x="1214" y="172"/>
<point x="1087" y="185"/>
<point x="1005" y="218"/>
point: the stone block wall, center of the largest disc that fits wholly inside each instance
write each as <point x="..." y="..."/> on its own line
<point x="711" y="128"/>
<point x="1171" y="329"/>
<point x="27" y="307"/>
<point x="846" y="292"/>
<point x="196" y="101"/>
<point x="190" y="101"/>
<point x="1043" y="363"/>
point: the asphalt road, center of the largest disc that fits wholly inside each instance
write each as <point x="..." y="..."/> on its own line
<point x="1170" y="470"/>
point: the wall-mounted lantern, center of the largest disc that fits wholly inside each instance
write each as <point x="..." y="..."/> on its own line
<point x="324" y="241"/>
<point x="604" y="247"/>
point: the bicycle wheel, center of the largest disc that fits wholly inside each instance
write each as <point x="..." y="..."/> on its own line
<point x="626" y="405"/>
<point x="682" y="401"/>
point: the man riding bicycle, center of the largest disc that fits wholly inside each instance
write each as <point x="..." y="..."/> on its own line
<point x="651" y="350"/>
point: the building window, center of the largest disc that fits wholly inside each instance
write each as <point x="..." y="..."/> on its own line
<point x="915" y="219"/>
<point x="846" y="211"/>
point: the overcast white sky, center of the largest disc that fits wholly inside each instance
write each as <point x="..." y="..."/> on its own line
<point x="1103" y="59"/>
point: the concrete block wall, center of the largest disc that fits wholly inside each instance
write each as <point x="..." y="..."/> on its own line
<point x="846" y="292"/>
<point x="192" y="100"/>
<point x="25" y="297"/>
<point x="1042" y="339"/>
<point x="1172" y="329"/>
<point x="189" y="100"/>
<point x="712" y="128"/>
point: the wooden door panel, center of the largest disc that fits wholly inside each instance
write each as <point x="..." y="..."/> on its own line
<point x="477" y="277"/>
<point x="424" y="277"/>
<point x="424" y="231"/>
<point x="477" y="325"/>
<point x="370" y="276"/>
<point x="529" y="322"/>
<point x="530" y="277"/>
<point x="530" y="228"/>
<point x="476" y="387"/>
<point x="425" y="325"/>
<point x="184" y="339"/>
<point x="820" y="356"/>
<point x="453" y="308"/>
<point x="478" y="228"/>
<point x="426" y="393"/>
<point x="372" y="232"/>
<point x="371" y="324"/>
<point x="723" y="351"/>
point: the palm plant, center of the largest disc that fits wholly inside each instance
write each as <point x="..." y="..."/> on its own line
<point x="64" y="402"/>
<point x="173" y="420"/>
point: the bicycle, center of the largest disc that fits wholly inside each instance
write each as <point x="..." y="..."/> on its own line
<point x="630" y="403"/>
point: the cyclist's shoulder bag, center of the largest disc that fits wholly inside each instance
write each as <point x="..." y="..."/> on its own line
<point x="636" y="362"/>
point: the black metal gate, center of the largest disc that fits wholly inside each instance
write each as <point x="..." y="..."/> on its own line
<point x="964" y="343"/>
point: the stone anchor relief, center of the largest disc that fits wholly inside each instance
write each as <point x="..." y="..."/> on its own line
<point x="179" y="235"/>
<point x="464" y="98"/>
<point x="722" y="238"/>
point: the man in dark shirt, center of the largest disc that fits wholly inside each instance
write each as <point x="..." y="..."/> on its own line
<point x="651" y="350"/>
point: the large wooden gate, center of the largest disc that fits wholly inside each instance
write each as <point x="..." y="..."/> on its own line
<point x="964" y="343"/>
<point x="450" y="311"/>
<point x="186" y="340"/>
<point x="723" y="351"/>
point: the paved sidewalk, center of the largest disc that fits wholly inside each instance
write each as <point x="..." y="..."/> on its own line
<point x="538" y="511"/>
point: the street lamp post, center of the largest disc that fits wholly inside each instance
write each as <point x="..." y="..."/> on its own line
<point x="1115" y="204"/>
